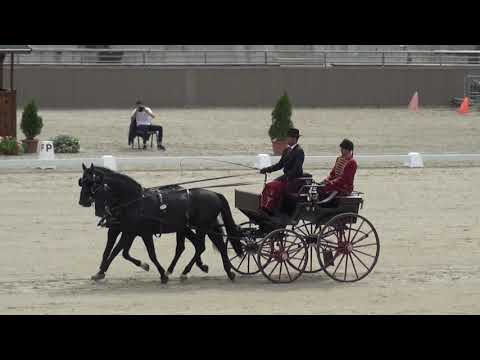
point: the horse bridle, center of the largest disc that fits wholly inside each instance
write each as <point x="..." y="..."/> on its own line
<point x="93" y="189"/>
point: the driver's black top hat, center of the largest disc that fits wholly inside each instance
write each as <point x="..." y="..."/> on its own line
<point x="293" y="133"/>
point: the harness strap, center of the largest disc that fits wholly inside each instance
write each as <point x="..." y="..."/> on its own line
<point x="187" y="213"/>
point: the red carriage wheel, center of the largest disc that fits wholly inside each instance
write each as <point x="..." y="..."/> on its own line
<point x="348" y="247"/>
<point x="283" y="256"/>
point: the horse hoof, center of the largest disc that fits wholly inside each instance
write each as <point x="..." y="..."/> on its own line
<point x="164" y="280"/>
<point x="98" y="276"/>
<point x="183" y="277"/>
<point x="204" y="268"/>
<point x="231" y="276"/>
<point x="145" y="266"/>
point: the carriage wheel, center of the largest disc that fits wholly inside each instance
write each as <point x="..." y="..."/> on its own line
<point x="310" y="232"/>
<point x="348" y="247"/>
<point x="245" y="264"/>
<point x="283" y="256"/>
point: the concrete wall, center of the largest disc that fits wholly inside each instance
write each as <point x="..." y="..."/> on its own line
<point x="230" y="86"/>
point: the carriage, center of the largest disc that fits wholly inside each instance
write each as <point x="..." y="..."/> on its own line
<point x="308" y="236"/>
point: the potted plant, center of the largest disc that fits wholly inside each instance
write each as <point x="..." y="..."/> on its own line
<point x="281" y="123"/>
<point x="31" y="126"/>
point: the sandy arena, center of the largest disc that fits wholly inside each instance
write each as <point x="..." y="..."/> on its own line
<point x="427" y="220"/>
<point x="244" y="131"/>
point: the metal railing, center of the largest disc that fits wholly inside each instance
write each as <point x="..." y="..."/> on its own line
<point x="245" y="57"/>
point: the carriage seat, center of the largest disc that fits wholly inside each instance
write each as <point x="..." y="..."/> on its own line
<point x="295" y="185"/>
<point x="292" y="193"/>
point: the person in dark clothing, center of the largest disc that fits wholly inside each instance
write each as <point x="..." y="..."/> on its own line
<point x="292" y="164"/>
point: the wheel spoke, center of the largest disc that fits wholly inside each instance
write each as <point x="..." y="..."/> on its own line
<point x="364" y="245"/>
<point x="300" y="229"/>
<point x="266" y="255"/>
<point x="363" y="237"/>
<point x="248" y="263"/>
<point x="311" y="258"/>
<point x="242" y="261"/>
<point x="343" y="255"/>
<point x="256" y="262"/>
<point x="296" y="252"/>
<point x="328" y="233"/>
<point x="234" y="257"/>
<point x="280" y="272"/>
<point x="361" y="252"/>
<point x="358" y="230"/>
<point x="353" y="264"/>
<point x="328" y="245"/>
<point x="366" y="267"/>
<point x="346" y="265"/>
<point x="288" y="272"/>
<point x="273" y="269"/>
<point x="349" y="232"/>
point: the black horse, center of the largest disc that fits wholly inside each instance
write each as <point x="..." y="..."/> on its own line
<point x="146" y="212"/>
<point x="86" y="199"/>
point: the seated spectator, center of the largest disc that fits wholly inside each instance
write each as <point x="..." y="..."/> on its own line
<point x="143" y="115"/>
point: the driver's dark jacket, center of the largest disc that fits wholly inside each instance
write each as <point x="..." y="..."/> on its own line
<point x="291" y="162"/>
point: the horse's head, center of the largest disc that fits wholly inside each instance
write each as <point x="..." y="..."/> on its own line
<point x="98" y="185"/>
<point x="91" y="183"/>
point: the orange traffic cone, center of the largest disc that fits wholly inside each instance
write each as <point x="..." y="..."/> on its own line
<point x="414" y="102"/>
<point x="465" y="107"/>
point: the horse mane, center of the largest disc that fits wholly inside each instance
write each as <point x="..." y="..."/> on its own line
<point x="125" y="179"/>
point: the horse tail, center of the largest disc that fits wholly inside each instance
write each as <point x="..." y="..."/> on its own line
<point x="232" y="230"/>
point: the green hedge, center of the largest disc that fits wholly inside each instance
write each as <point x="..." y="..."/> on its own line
<point x="10" y="146"/>
<point x="66" y="144"/>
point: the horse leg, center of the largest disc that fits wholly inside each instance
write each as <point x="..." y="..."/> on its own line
<point x="199" y="244"/>
<point x="178" y="251"/>
<point x="192" y="237"/>
<point x="126" y="255"/>
<point x="217" y="240"/>
<point x="125" y="240"/>
<point x="111" y="238"/>
<point x="148" y="241"/>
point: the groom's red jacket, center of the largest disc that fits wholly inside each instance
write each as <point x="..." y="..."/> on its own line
<point x="342" y="176"/>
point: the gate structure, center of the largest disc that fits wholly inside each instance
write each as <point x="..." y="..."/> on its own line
<point x="8" y="97"/>
<point x="472" y="88"/>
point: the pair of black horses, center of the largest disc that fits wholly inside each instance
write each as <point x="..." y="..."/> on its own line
<point x="127" y="208"/>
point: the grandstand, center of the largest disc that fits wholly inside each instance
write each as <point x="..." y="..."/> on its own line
<point x="317" y="55"/>
<point x="353" y="48"/>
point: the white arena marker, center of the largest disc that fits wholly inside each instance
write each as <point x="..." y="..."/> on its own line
<point x="263" y="160"/>
<point x="46" y="151"/>
<point x="414" y="160"/>
<point x="110" y="162"/>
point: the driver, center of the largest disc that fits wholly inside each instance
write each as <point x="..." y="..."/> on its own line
<point x="292" y="164"/>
